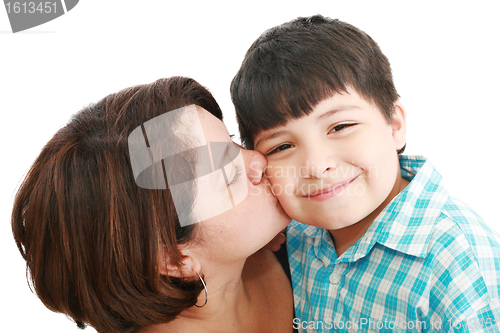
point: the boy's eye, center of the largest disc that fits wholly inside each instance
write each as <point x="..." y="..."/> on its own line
<point x="280" y="148"/>
<point x="340" y="127"/>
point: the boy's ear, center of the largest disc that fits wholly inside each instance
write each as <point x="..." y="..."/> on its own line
<point x="398" y="125"/>
<point x="188" y="267"/>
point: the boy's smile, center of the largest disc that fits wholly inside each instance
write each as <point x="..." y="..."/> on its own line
<point x="338" y="165"/>
<point x="330" y="191"/>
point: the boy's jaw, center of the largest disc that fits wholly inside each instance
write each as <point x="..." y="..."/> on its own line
<point x="360" y="157"/>
<point x="335" y="203"/>
<point x="345" y="237"/>
<point x="336" y="206"/>
<point x="334" y="210"/>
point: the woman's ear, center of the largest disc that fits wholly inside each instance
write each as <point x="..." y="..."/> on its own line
<point x="188" y="267"/>
<point x="398" y="125"/>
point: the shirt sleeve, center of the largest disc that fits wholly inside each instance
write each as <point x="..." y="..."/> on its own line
<point x="460" y="299"/>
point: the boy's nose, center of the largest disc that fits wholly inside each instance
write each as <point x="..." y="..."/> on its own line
<point x="255" y="164"/>
<point x="317" y="163"/>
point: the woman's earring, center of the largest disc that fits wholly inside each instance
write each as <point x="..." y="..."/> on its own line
<point x="206" y="292"/>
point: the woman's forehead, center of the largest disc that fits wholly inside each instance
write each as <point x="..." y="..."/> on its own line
<point x="214" y="129"/>
<point x="188" y="127"/>
<point x="195" y="126"/>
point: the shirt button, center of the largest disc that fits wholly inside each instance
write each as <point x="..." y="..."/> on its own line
<point x="334" y="278"/>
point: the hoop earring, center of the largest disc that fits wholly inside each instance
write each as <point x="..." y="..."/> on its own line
<point x="206" y="292"/>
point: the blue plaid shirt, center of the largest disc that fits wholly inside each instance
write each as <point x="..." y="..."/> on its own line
<point x="427" y="263"/>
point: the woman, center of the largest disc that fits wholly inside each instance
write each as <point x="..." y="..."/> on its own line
<point x="140" y="215"/>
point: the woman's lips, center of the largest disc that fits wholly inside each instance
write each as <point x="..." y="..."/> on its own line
<point x="330" y="191"/>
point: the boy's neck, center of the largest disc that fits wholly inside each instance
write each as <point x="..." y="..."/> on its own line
<point x="345" y="237"/>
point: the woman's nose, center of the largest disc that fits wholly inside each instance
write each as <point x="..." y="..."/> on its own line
<point x="255" y="164"/>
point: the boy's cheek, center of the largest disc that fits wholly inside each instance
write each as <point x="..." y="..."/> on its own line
<point x="283" y="184"/>
<point x="285" y="199"/>
<point x="285" y="193"/>
<point x="279" y="174"/>
<point x="283" y="190"/>
<point x="279" y="181"/>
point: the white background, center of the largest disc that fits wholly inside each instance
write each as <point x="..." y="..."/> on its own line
<point x="445" y="59"/>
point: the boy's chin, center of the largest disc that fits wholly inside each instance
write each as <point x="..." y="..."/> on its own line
<point x="340" y="226"/>
<point x="330" y="225"/>
<point x="333" y="223"/>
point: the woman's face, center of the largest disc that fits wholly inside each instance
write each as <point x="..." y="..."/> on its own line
<point x="242" y="214"/>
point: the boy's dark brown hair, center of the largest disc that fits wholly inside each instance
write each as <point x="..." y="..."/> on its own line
<point x="292" y="67"/>
<point x="92" y="239"/>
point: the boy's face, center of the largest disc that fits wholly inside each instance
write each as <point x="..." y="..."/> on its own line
<point x="337" y="165"/>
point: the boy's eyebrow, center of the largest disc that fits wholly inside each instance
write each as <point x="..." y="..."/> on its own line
<point x="337" y="109"/>
<point x="324" y="115"/>
<point x="270" y="136"/>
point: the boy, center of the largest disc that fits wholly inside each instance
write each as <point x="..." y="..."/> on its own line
<point x="383" y="247"/>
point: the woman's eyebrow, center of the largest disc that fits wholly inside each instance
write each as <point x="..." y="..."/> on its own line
<point x="223" y="153"/>
<point x="223" y="158"/>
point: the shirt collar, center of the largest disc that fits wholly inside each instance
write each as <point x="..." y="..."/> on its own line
<point x="407" y="222"/>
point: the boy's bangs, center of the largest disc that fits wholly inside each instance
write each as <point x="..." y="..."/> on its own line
<point x="300" y="96"/>
<point x="275" y="98"/>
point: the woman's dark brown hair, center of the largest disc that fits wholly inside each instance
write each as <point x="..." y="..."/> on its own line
<point x="92" y="239"/>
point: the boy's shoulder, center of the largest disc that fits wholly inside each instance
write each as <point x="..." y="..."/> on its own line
<point x="426" y="208"/>
<point x="459" y="246"/>
<point x="463" y="260"/>
<point x="469" y="223"/>
<point x="463" y="233"/>
<point x="449" y="256"/>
